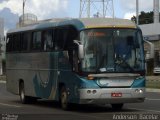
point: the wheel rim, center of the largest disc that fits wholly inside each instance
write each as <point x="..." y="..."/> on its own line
<point x="22" y="95"/>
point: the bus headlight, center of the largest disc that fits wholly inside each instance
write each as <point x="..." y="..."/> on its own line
<point x="139" y="91"/>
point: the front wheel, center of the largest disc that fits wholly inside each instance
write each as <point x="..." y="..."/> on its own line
<point x="64" y="99"/>
<point x="117" y="106"/>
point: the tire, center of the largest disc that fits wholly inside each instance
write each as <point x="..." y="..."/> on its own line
<point x="25" y="99"/>
<point x="64" y="99"/>
<point x="117" y="106"/>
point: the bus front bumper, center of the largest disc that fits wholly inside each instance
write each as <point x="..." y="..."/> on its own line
<point x="111" y="95"/>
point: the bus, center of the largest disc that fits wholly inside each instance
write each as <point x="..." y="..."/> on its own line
<point x="79" y="61"/>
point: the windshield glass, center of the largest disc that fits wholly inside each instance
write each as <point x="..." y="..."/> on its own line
<point x="112" y="50"/>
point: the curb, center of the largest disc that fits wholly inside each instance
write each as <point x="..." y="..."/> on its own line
<point x="2" y="81"/>
<point x="152" y="90"/>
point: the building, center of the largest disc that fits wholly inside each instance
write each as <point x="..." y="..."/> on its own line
<point x="151" y="33"/>
<point x="1" y="43"/>
<point x="27" y="19"/>
<point x="1" y="28"/>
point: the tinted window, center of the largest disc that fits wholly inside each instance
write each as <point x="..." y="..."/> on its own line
<point x="14" y="43"/>
<point x="61" y="37"/>
<point x="47" y="40"/>
<point x="36" y="41"/>
<point x="25" y="40"/>
<point x="9" y="43"/>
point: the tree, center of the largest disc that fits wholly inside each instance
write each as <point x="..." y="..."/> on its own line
<point x="144" y="17"/>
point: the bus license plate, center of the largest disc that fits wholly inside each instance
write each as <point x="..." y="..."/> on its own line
<point x="116" y="94"/>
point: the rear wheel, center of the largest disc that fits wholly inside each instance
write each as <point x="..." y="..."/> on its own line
<point x="25" y="99"/>
<point x="64" y="99"/>
<point x="117" y="106"/>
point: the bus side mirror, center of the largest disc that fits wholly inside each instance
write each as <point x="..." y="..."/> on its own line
<point x="150" y="54"/>
<point x="80" y="49"/>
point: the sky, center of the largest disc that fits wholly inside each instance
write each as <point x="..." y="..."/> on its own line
<point x="10" y="10"/>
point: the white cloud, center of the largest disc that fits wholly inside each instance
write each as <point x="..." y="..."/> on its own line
<point x="47" y="8"/>
<point x="129" y="15"/>
<point x="10" y="10"/>
<point x="130" y="5"/>
<point x="13" y="5"/>
<point x="42" y="8"/>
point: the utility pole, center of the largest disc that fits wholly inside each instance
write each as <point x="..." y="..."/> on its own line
<point x="137" y="12"/>
<point x="156" y="11"/>
<point x="89" y="9"/>
<point x="80" y="9"/>
<point x="103" y="8"/>
<point x="24" y="1"/>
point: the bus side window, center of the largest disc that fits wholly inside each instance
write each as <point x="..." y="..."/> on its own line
<point x="61" y="37"/>
<point x="13" y="44"/>
<point x="9" y="43"/>
<point x="25" y="39"/>
<point x="36" y="41"/>
<point x="72" y="48"/>
<point x="47" y="40"/>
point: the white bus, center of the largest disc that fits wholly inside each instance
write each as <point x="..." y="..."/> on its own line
<point x="82" y="61"/>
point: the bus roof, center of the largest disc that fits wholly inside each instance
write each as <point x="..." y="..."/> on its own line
<point x="80" y="24"/>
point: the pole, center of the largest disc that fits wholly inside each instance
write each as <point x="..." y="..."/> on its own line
<point x="88" y="12"/>
<point x="137" y="12"/>
<point x="113" y="8"/>
<point x="103" y="9"/>
<point x="156" y="11"/>
<point x="80" y="13"/>
<point x="23" y="9"/>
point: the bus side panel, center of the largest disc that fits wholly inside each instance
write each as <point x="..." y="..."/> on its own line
<point x="42" y="73"/>
<point x="19" y="68"/>
<point x="31" y="68"/>
<point x="12" y="73"/>
<point x="46" y="79"/>
<point x="68" y="78"/>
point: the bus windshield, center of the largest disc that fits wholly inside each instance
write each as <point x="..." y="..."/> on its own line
<point x="112" y="50"/>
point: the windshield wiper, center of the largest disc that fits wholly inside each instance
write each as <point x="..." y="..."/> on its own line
<point x="123" y="64"/>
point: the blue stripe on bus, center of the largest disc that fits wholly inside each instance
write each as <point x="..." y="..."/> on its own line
<point x="138" y="83"/>
<point x="40" y="90"/>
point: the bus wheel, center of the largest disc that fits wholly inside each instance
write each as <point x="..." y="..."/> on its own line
<point x="23" y="98"/>
<point x="117" y="106"/>
<point x="64" y="99"/>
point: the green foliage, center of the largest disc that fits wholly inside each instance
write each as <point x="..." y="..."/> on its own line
<point x="144" y="17"/>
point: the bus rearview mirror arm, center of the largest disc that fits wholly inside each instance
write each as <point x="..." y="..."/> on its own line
<point x="151" y="51"/>
<point x="80" y="49"/>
